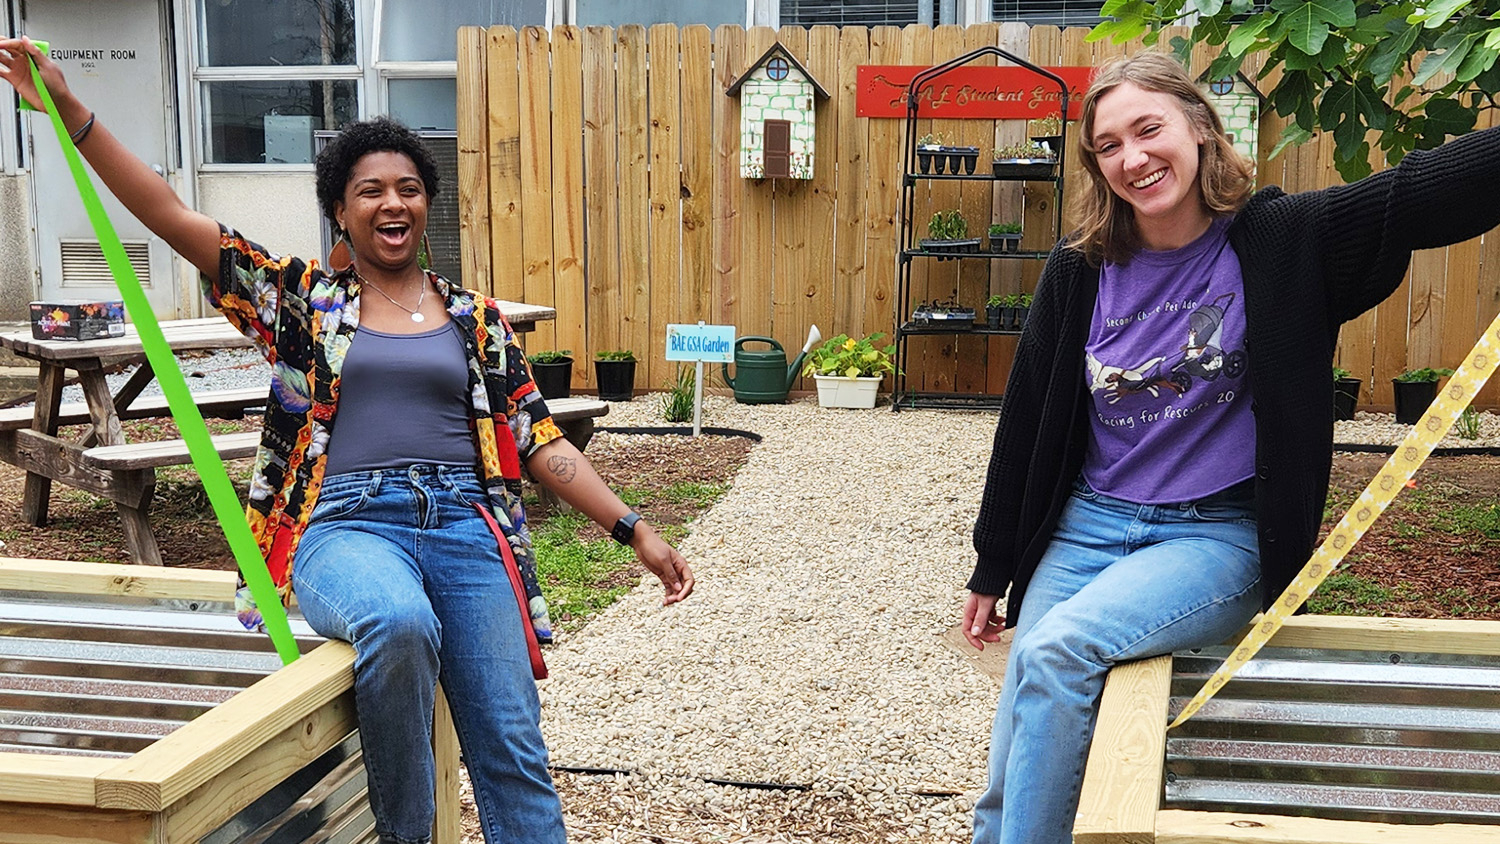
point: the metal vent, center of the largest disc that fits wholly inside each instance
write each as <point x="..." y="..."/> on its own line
<point x="83" y="263"/>
<point x="850" y="12"/>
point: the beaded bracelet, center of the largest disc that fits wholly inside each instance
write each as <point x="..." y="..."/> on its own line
<point x="83" y="131"/>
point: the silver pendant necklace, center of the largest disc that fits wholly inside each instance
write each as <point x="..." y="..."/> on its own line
<point x="416" y="315"/>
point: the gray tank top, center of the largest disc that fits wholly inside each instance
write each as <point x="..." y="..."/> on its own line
<point x="403" y="399"/>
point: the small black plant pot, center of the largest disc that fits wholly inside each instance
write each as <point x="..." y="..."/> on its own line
<point x="1345" y="397"/>
<point x="962" y="159"/>
<point x="1412" y="399"/>
<point x="1022" y="169"/>
<point x="1018" y="318"/>
<point x="946" y="249"/>
<point x="994" y="316"/>
<point x="616" y="379"/>
<point x="924" y="161"/>
<point x="1005" y="243"/>
<point x="554" y="380"/>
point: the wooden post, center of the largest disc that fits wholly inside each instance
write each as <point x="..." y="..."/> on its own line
<point x="1122" y="785"/>
<point x="446" y="829"/>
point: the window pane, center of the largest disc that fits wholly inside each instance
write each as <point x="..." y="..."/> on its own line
<point x="275" y="33"/>
<point x="424" y="31"/>
<point x="424" y="103"/>
<point x="850" y="12"/>
<point x="273" y="122"/>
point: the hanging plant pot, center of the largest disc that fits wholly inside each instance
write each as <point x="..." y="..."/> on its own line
<point x="553" y="379"/>
<point x="616" y="379"/>
<point x="1412" y="399"/>
<point x="1345" y="397"/>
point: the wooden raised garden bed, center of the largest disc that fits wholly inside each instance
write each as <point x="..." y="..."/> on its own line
<point x="134" y="711"/>
<point x="1342" y="731"/>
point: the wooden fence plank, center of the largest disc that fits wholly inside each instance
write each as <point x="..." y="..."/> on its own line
<point x="568" y="192"/>
<point x="790" y="209"/>
<point x="820" y="288"/>
<point x="700" y="103"/>
<point x="600" y="183"/>
<point x="473" y="161"/>
<point x="882" y="198"/>
<point x="848" y="316"/>
<point x="635" y="189"/>
<point x="535" y="112"/>
<point x="1006" y="276"/>
<point x="976" y="202"/>
<point x="757" y="245"/>
<point x="664" y="284"/>
<point x="502" y="93"/>
<point x="729" y="188"/>
<point x="926" y="273"/>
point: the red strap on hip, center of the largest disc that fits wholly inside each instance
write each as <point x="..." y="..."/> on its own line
<point x="533" y="649"/>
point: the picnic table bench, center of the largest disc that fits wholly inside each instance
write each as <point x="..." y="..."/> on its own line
<point x="103" y="463"/>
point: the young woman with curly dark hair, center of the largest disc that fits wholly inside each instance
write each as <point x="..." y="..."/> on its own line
<point x="1163" y="451"/>
<point x="387" y="486"/>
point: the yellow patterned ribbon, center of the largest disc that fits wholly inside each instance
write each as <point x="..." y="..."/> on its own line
<point x="1412" y="452"/>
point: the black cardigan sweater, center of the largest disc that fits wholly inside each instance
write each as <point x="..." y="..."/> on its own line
<point x="1311" y="262"/>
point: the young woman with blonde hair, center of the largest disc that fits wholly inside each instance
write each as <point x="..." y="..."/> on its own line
<point x="1162" y="458"/>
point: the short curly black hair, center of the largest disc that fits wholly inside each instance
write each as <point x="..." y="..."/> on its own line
<point x="380" y="134"/>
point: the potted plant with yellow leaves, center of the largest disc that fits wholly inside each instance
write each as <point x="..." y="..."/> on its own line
<point x="848" y="372"/>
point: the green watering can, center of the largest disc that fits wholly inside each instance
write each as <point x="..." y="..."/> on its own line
<point x="762" y="375"/>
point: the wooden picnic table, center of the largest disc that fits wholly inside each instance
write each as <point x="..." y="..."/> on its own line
<point x="102" y="462"/>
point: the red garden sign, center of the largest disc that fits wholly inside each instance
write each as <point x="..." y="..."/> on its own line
<point x="968" y="92"/>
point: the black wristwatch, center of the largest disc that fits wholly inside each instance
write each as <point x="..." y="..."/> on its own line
<point x="624" y="529"/>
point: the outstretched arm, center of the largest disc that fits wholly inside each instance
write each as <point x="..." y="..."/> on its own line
<point x="145" y="194"/>
<point x="560" y="467"/>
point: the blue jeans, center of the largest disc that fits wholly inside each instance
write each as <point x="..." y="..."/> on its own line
<point x="1120" y="581"/>
<point x="399" y="564"/>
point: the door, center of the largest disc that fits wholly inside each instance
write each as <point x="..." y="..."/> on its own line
<point x="113" y="55"/>
<point x="778" y="149"/>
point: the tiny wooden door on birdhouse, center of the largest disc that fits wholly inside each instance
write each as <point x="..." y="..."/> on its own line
<point x="778" y="149"/>
<point x="777" y="117"/>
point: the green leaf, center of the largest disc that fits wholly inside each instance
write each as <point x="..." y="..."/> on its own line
<point x="1351" y="109"/>
<point x="1102" y="30"/>
<point x="1245" y="34"/>
<point x="1356" y="166"/>
<point x="1308" y="21"/>
<point x="1437" y="12"/>
<point x="1453" y="50"/>
<point x="1478" y="61"/>
<point x="1212" y="31"/>
<point x="1207" y="8"/>
<point x="1242" y="7"/>
<point x="1226" y="64"/>
<point x="1292" y="136"/>
<point x="1390" y="53"/>
<point x="1448" y="117"/>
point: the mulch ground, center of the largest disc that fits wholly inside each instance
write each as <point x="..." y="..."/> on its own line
<point x="1437" y="548"/>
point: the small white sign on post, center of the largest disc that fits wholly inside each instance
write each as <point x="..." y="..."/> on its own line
<point x="700" y="343"/>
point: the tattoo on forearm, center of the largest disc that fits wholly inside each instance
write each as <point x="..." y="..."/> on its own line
<point x="563" y="468"/>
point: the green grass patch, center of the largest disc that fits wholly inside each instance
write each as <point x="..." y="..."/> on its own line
<point x="1465" y="520"/>
<point x="1346" y="593"/>
<point x="631" y="496"/>
<point x="699" y="495"/>
<point x="576" y="576"/>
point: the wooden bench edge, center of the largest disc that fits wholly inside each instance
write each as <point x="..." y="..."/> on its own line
<point x="1122" y="783"/>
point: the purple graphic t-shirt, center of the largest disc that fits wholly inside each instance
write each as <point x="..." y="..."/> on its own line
<point x="1168" y="375"/>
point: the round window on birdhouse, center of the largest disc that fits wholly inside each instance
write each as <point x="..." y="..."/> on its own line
<point x="1222" y="85"/>
<point x="778" y="68"/>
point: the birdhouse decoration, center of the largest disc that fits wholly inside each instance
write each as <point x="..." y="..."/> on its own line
<point x="777" y="116"/>
<point x="1238" y="103"/>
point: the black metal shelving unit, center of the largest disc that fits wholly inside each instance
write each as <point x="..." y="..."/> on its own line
<point x="910" y="178"/>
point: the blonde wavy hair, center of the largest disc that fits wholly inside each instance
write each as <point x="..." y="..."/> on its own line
<point x="1107" y="230"/>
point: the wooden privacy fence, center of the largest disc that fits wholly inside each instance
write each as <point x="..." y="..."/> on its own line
<point x="599" y="174"/>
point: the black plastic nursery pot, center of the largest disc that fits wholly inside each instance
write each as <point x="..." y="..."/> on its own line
<point x="616" y="379"/>
<point x="962" y="158"/>
<point x="1018" y="316"/>
<point x="994" y="316"/>
<point x="1027" y="169"/>
<point x="1005" y="243"/>
<point x="554" y="380"/>
<point x="1412" y="399"/>
<point x="945" y="248"/>
<point x="924" y="161"/>
<point x="1345" y="397"/>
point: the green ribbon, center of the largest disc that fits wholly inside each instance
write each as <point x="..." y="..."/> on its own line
<point x="174" y="386"/>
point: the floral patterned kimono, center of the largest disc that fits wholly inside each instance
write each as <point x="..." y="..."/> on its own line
<point x="303" y="320"/>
